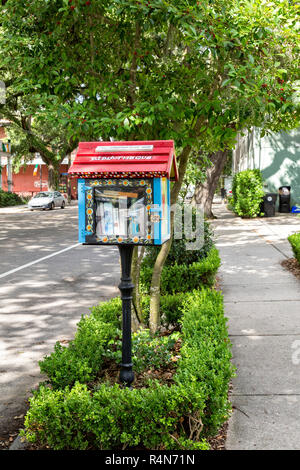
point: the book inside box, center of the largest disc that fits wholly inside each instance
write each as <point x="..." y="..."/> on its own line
<point x="121" y="212"/>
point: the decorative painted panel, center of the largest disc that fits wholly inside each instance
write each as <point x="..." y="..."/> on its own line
<point x="114" y="211"/>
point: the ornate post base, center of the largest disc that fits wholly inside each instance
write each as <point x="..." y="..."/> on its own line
<point x="126" y="288"/>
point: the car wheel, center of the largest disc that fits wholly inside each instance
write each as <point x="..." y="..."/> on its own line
<point x="63" y="205"/>
<point x="52" y="206"/>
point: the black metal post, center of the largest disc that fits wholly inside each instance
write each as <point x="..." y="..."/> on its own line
<point x="126" y="288"/>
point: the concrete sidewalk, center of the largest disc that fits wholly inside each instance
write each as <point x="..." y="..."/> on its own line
<point x="262" y="304"/>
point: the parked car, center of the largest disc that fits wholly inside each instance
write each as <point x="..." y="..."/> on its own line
<point x="47" y="200"/>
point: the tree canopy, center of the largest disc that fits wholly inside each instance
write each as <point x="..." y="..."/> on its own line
<point x="196" y="72"/>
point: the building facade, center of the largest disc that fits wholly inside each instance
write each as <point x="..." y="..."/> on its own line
<point x="31" y="177"/>
<point x="277" y="155"/>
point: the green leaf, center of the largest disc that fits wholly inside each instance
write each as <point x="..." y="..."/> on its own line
<point x="225" y="82"/>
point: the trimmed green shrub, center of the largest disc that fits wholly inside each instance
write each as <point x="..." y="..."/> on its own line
<point x="10" y="199"/>
<point x="295" y="244"/>
<point x="206" y="355"/>
<point x="183" y="277"/>
<point x="98" y="337"/>
<point x="82" y="359"/>
<point x="112" y="417"/>
<point x="157" y="417"/>
<point x="247" y="191"/>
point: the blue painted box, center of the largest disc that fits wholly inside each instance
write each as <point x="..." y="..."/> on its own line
<point x="124" y="197"/>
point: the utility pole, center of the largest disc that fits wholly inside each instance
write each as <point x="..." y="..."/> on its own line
<point x="9" y="174"/>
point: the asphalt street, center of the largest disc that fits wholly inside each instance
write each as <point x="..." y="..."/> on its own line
<point x="47" y="282"/>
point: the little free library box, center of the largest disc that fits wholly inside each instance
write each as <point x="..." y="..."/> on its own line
<point x="124" y="191"/>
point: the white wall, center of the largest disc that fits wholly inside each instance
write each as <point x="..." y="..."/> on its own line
<point x="277" y="155"/>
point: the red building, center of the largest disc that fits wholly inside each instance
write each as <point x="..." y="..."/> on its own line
<point x="32" y="177"/>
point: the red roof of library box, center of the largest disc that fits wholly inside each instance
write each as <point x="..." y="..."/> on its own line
<point x="139" y="159"/>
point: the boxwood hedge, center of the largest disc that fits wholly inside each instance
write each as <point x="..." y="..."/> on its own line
<point x="70" y="415"/>
<point x="183" y="277"/>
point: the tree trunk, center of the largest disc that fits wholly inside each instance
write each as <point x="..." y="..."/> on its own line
<point x="53" y="176"/>
<point x="137" y="258"/>
<point x="154" y="319"/>
<point x="204" y="192"/>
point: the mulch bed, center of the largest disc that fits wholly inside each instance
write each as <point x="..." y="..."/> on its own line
<point x="218" y="442"/>
<point x="109" y="372"/>
<point x="292" y="265"/>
